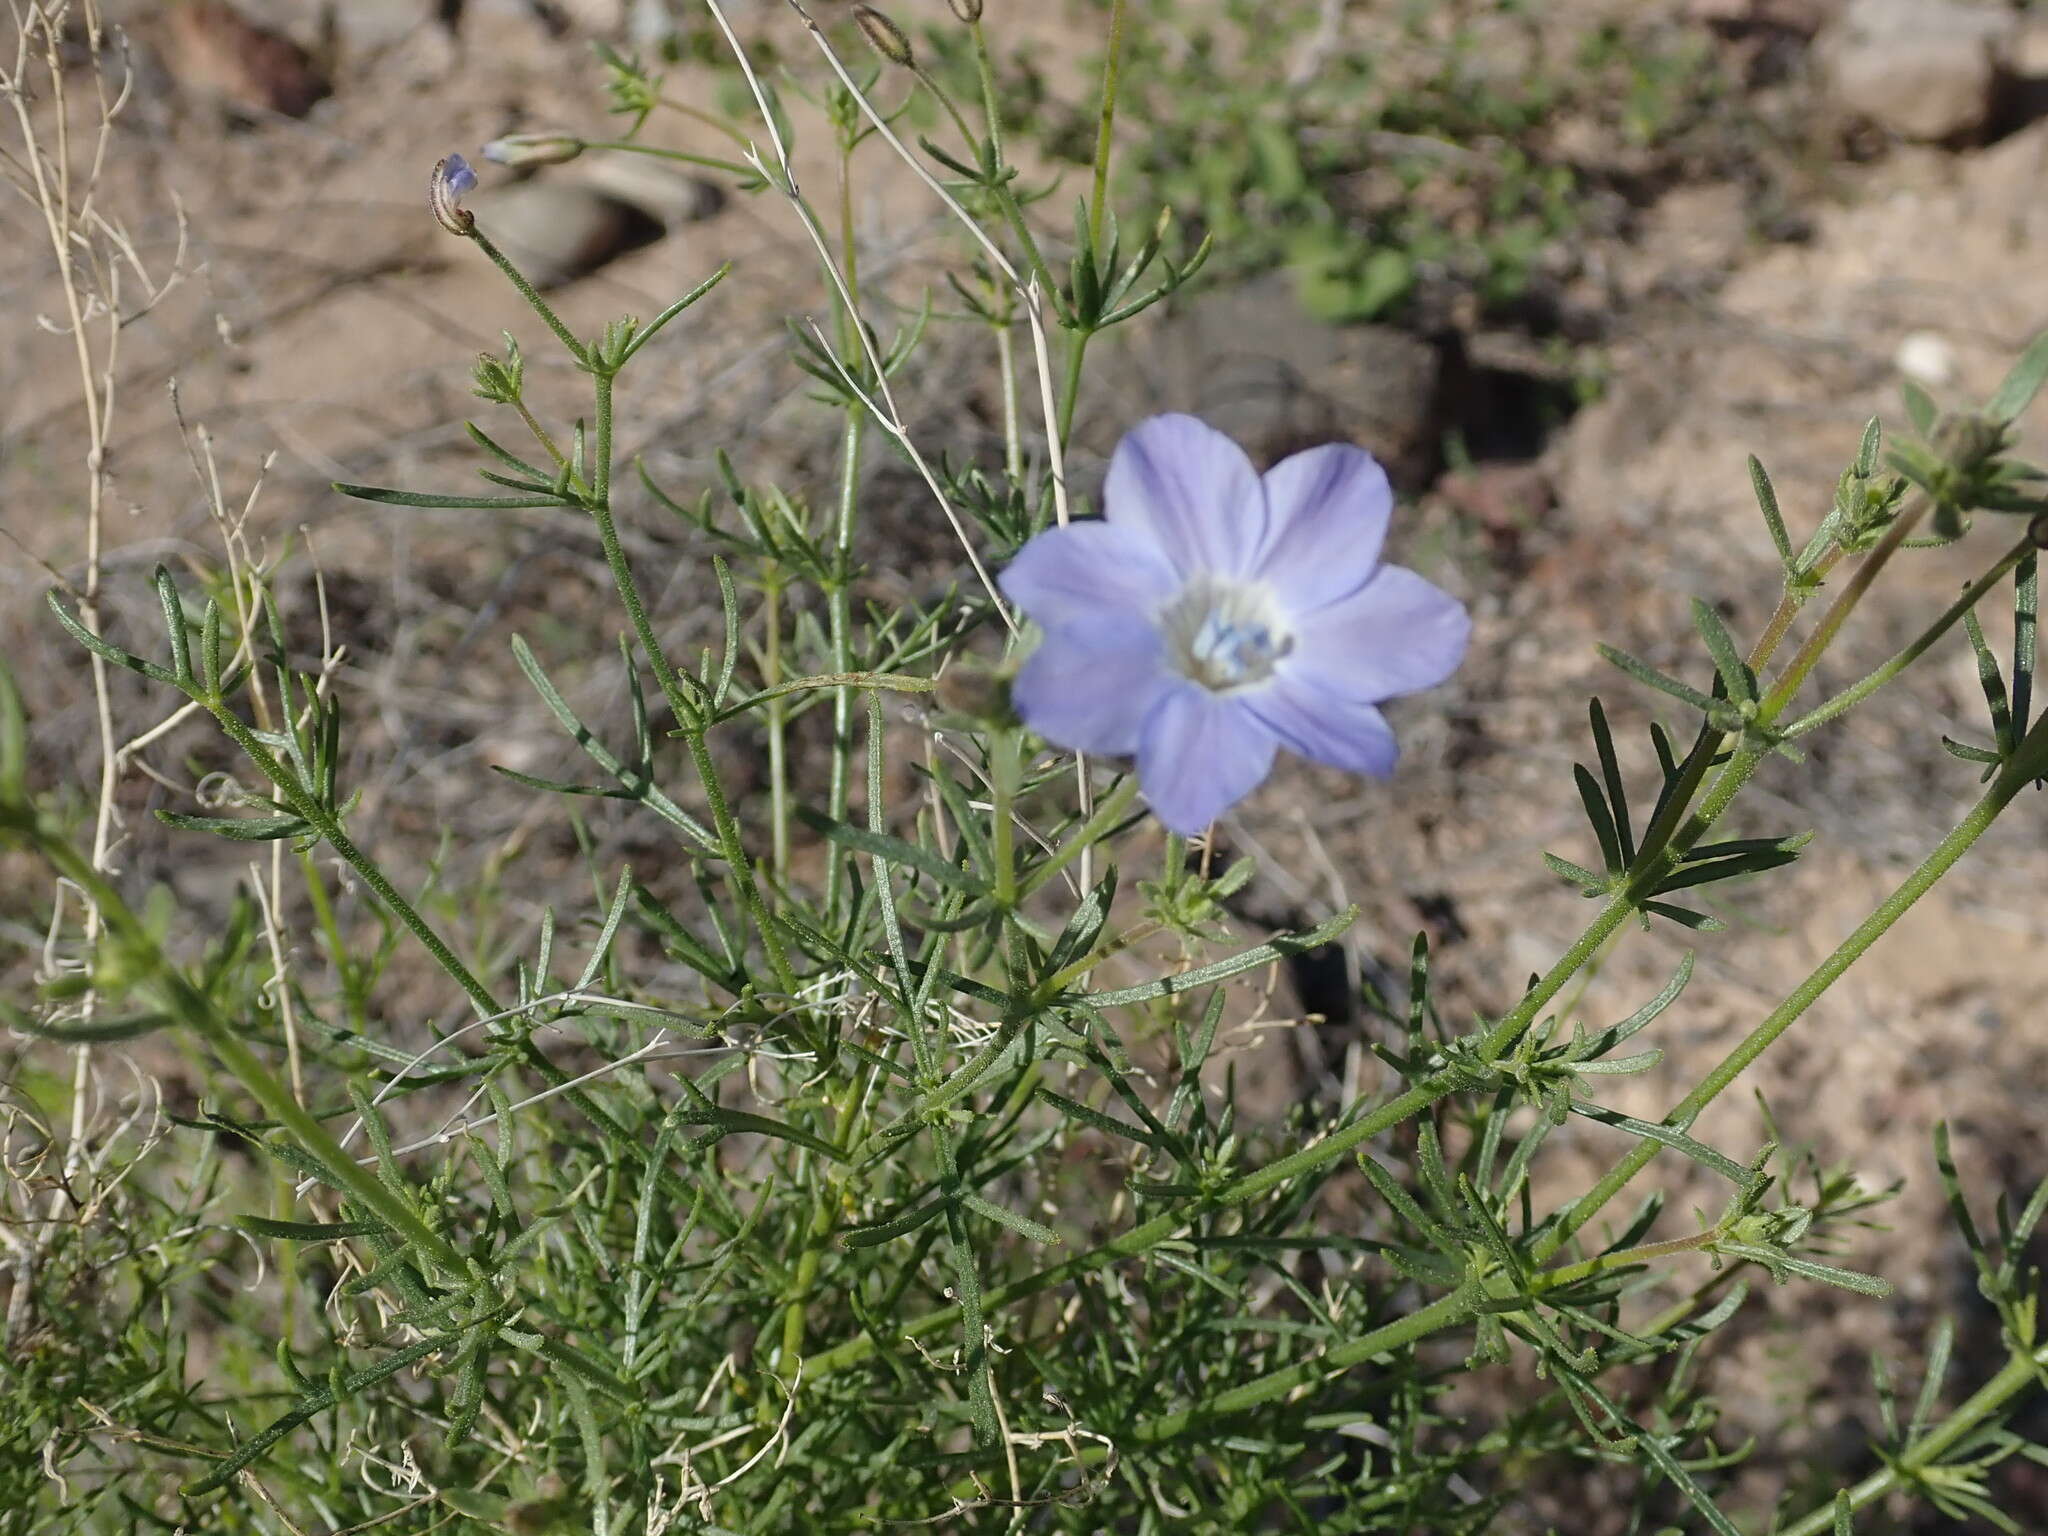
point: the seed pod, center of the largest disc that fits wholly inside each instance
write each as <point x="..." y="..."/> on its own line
<point x="887" y="38"/>
<point x="968" y="11"/>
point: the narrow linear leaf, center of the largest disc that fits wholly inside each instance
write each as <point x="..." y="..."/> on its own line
<point x="240" y="829"/>
<point x="1735" y="673"/>
<point x="1677" y="1140"/>
<point x="2016" y="392"/>
<point x="1644" y="673"/>
<point x="1767" y="501"/>
<point x="1022" y="1225"/>
<point x="309" y="1231"/>
<point x="1250" y="960"/>
<point x="84" y="1031"/>
<point x="893" y="850"/>
<point x="1601" y="818"/>
<point x="386" y="496"/>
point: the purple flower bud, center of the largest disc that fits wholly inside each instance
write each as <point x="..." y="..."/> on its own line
<point x="1215" y="615"/>
<point x="452" y="178"/>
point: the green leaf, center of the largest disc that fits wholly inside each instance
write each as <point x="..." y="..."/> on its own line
<point x="107" y="650"/>
<point x="240" y="829"/>
<point x="1778" y="1262"/>
<point x="1685" y="917"/>
<point x="1602" y="820"/>
<point x="1236" y="965"/>
<point x="1643" y="672"/>
<point x="1677" y="1140"/>
<point x="84" y="1031"/>
<point x="315" y="1402"/>
<point x="1575" y="874"/>
<point x="1022" y="1225"/>
<point x="309" y="1231"/>
<point x="1767" y="500"/>
<point x="2020" y="386"/>
<point x="1920" y="410"/>
<point x="385" y="496"/>
<point x="1706" y="872"/>
<point x="1735" y="673"/>
<point x="896" y="1226"/>
<point x="892" y="850"/>
<point x="1083" y="928"/>
<point x="1611" y="780"/>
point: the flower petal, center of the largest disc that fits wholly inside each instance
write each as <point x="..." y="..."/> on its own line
<point x="1192" y="491"/>
<point x="1089" y="686"/>
<point x="1198" y="755"/>
<point x="1315" y="723"/>
<point x="1085" y="571"/>
<point x="1396" y="634"/>
<point x="1327" y="512"/>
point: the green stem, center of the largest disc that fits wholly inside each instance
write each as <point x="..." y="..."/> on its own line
<point x="709" y="120"/>
<point x="709" y="162"/>
<point x="946" y="100"/>
<point x="540" y="434"/>
<point x="1070" y="390"/>
<point x="1112" y="810"/>
<point x="839" y="605"/>
<point x="740" y="870"/>
<point x="1866" y="573"/>
<point x="308" y="808"/>
<point x="1445" y="1312"/>
<point x="192" y="1008"/>
<point x="2020" y="1373"/>
<point x="986" y="67"/>
<point x="1172" y="1223"/>
<point x="1005" y="770"/>
<point x="1972" y="595"/>
<point x="745" y="886"/>
<point x="2016" y="774"/>
<point x="531" y="294"/>
<point x="839" y="591"/>
<point x="1112" y="71"/>
<point x="778" y="733"/>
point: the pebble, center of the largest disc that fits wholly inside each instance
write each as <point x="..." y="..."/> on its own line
<point x="1926" y="358"/>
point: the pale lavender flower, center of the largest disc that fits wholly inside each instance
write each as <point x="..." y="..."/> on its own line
<point x="452" y="179"/>
<point x="1213" y="616"/>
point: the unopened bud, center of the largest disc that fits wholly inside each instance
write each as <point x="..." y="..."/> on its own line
<point x="452" y="178"/>
<point x="517" y="149"/>
<point x="968" y="11"/>
<point x="887" y="38"/>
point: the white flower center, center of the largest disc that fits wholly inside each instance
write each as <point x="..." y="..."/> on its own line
<point x="1224" y="634"/>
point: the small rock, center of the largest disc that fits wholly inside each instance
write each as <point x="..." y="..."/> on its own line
<point x="668" y="196"/>
<point x="1801" y="18"/>
<point x="2026" y="53"/>
<point x="1926" y="70"/>
<point x="555" y="231"/>
<point x="1926" y="358"/>
<point x="1253" y="363"/>
<point x="218" y="55"/>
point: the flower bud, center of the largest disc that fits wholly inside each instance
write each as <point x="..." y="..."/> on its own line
<point x="968" y="11"/>
<point x="452" y="178"/>
<point x="500" y="380"/>
<point x="516" y="149"/>
<point x="887" y="38"/>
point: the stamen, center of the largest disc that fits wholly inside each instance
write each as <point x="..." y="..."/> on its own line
<point x="1225" y="634"/>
